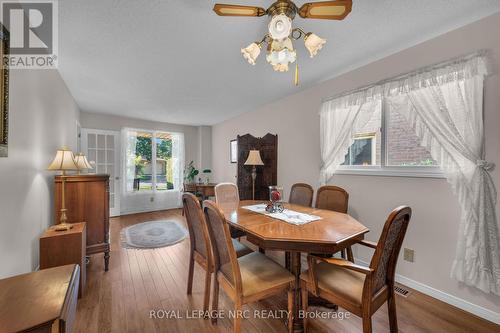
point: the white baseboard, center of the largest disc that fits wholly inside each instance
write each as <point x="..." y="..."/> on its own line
<point x="447" y="298"/>
<point x="146" y="210"/>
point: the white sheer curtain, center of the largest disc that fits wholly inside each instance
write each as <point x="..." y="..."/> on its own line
<point x="178" y="163"/>
<point x="448" y="119"/>
<point x="129" y="139"/>
<point x="444" y="105"/>
<point x="338" y="125"/>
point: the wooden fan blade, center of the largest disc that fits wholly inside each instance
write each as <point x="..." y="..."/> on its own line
<point x="328" y="10"/>
<point x="237" y="10"/>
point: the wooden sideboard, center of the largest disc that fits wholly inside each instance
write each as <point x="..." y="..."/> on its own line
<point x="42" y="302"/>
<point x="59" y="248"/>
<point x="87" y="199"/>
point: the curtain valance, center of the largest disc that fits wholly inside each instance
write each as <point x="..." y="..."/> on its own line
<point x="458" y="69"/>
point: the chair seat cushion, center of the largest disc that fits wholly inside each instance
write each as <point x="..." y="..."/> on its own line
<point x="240" y="249"/>
<point x="259" y="273"/>
<point x="344" y="283"/>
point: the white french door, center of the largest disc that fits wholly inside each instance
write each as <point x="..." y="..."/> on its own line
<point x="103" y="152"/>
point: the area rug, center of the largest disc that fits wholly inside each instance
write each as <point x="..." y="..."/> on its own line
<point x="153" y="234"/>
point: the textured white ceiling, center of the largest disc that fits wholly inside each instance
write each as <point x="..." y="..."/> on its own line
<point x="176" y="61"/>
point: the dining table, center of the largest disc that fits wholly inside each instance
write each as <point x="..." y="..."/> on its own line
<point x="331" y="233"/>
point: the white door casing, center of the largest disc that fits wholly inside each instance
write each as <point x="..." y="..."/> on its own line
<point x="102" y="149"/>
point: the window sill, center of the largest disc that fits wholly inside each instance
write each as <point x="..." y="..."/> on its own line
<point x="417" y="172"/>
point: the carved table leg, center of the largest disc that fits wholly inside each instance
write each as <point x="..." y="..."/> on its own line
<point x="298" y="326"/>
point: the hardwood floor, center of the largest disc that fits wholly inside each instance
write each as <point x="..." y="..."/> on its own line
<point x="139" y="281"/>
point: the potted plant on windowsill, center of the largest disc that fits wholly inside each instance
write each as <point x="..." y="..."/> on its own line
<point x="207" y="173"/>
<point x="190" y="173"/>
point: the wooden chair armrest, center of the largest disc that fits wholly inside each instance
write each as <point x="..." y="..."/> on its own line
<point x="345" y="264"/>
<point x="368" y="243"/>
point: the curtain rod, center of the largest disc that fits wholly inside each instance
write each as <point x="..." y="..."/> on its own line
<point x="439" y="65"/>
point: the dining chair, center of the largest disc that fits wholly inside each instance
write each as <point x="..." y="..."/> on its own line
<point x="227" y="198"/>
<point x="337" y="199"/>
<point x="301" y="194"/>
<point x="358" y="289"/>
<point x="245" y="279"/>
<point x="201" y="248"/>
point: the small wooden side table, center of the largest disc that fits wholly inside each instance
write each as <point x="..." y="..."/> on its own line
<point x="42" y="302"/>
<point x="59" y="248"/>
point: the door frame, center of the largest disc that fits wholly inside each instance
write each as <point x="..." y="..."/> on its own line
<point x="115" y="211"/>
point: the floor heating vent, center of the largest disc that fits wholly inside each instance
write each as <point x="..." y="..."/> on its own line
<point x="401" y="291"/>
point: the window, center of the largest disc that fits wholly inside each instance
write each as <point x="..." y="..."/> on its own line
<point x="233" y="151"/>
<point x="363" y="151"/>
<point x="151" y="164"/>
<point x="385" y="144"/>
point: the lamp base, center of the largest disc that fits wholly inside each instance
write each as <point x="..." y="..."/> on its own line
<point x="62" y="227"/>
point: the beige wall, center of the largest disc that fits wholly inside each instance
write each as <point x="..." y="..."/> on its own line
<point x="433" y="229"/>
<point x="43" y="117"/>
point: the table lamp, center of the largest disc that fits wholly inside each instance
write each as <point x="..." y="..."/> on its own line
<point x="64" y="161"/>
<point x="254" y="159"/>
<point x="82" y="163"/>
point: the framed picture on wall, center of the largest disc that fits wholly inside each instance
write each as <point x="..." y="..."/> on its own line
<point x="4" y="91"/>
<point x="233" y="151"/>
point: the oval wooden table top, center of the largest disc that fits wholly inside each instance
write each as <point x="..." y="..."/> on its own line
<point x="331" y="233"/>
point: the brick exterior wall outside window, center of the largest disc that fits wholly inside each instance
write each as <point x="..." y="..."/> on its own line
<point x="403" y="146"/>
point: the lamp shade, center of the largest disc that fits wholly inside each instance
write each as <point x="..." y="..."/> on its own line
<point x="63" y="161"/>
<point x="251" y="52"/>
<point x="81" y="162"/>
<point x="254" y="158"/>
<point x="313" y="43"/>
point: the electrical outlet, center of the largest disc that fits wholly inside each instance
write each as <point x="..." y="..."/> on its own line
<point x="409" y="255"/>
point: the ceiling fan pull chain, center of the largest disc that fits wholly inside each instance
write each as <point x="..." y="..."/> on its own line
<point x="296" y="72"/>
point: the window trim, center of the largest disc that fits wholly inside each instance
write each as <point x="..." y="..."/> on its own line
<point x="384" y="170"/>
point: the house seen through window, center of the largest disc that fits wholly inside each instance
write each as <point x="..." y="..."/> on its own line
<point x="385" y="140"/>
<point x="152" y="159"/>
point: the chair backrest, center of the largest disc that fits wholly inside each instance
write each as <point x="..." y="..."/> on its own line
<point x="386" y="254"/>
<point x="227" y="197"/>
<point x="301" y="194"/>
<point x="332" y="198"/>
<point x="225" y="259"/>
<point x="198" y="229"/>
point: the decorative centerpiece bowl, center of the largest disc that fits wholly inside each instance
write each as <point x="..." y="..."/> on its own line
<point x="275" y="204"/>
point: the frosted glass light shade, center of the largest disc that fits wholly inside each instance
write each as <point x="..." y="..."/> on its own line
<point x="280" y="27"/>
<point x="63" y="161"/>
<point x="251" y="52"/>
<point x="313" y="43"/>
<point x="81" y="162"/>
<point x="281" y="53"/>
<point x="254" y="158"/>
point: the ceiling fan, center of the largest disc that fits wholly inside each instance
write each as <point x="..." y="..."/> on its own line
<point x="280" y="51"/>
